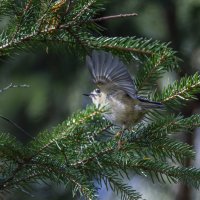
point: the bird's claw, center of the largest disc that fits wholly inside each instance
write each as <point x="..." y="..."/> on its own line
<point x="119" y="136"/>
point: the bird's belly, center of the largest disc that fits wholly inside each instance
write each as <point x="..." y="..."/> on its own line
<point x="124" y="116"/>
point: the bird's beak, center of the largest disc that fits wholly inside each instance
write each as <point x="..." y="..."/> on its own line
<point x="86" y="95"/>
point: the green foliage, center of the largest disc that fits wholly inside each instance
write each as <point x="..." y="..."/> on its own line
<point x="73" y="153"/>
<point x="9" y="148"/>
<point x="113" y="181"/>
<point x="6" y="7"/>
<point x="180" y="92"/>
<point x="82" y="150"/>
<point x="154" y="68"/>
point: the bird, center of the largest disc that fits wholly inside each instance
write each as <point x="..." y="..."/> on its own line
<point x="116" y="90"/>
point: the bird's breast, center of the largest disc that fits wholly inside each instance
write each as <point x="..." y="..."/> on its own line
<point x="123" y="111"/>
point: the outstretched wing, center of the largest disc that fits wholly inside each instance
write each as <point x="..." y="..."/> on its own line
<point x="109" y="73"/>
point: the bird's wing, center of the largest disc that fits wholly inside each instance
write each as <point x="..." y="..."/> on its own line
<point x="109" y="73"/>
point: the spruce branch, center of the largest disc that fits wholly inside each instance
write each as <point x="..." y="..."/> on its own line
<point x="153" y="69"/>
<point x="117" y="185"/>
<point x="165" y="148"/>
<point x="64" y="131"/>
<point x="97" y="155"/>
<point x="9" y="148"/>
<point x="180" y="92"/>
<point x="161" y="148"/>
<point x="167" y="125"/>
<point x="172" y="173"/>
<point x="77" y="20"/>
<point x="84" y="9"/>
<point x="113" y="17"/>
<point x="49" y="170"/>
<point x="35" y="155"/>
<point x="64" y="173"/>
<point x="21" y="19"/>
<point x="158" y="169"/>
<point x="6" y="7"/>
<point x="126" y="44"/>
<point x="85" y="157"/>
<point x="38" y="28"/>
<point x="74" y="152"/>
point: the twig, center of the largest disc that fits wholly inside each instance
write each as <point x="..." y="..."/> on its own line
<point x="113" y="17"/>
<point x="11" y="85"/>
<point x="42" y="18"/>
<point x="68" y="7"/>
<point x="99" y="154"/>
<point x="83" y="10"/>
<point x="17" y="126"/>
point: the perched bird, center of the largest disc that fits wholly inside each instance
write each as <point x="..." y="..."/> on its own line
<point x="116" y="90"/>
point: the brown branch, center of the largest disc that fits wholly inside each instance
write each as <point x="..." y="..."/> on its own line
<point x="113" y="17"/>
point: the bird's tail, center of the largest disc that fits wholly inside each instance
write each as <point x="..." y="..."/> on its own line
<point x="148" y="104"/>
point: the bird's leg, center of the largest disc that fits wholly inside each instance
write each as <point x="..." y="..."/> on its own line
<point x="119" y="136"/>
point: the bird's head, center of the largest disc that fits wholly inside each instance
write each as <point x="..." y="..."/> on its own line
<point x="97" y="96"/>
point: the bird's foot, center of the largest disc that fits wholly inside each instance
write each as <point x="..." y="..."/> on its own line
<point x="120" y="144"/>
<point x="119" y="136"/>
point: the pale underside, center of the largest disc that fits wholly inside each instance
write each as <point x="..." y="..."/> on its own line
<point x="122" y="109"/>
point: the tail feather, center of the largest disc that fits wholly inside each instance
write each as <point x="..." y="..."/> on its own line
<point x="148" y="104"/>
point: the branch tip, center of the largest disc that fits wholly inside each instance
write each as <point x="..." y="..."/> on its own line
<point x="113" y="17"/>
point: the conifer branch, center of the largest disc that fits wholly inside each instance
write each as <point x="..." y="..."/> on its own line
<point x="126" y="192"/>
<point x="23" y="180"/>
<point x="120" y="44"/>
<point x="153" y="69"/>
<point x="84" y="9"/>
<point x="97" y="155"/>
<point x="65" y="134"/>
<point x="73" y="152"/>
<point x="181" y="91"/>
<point x="165" y="148"/>
<point x="103" y="155"/>
<point x="113" y="17"/>
<point x="179" y="173"/>
<point x="161" y="148"/>
<point x="63" y="172"/>
<point x="171" y="124"/>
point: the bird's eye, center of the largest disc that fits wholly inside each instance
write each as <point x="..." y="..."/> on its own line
<point x="97" y="90"/>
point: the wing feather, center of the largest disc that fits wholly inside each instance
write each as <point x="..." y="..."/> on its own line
<point x="108" y="72"/>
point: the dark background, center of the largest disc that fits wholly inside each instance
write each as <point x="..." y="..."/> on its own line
<point x="57" y="81"/>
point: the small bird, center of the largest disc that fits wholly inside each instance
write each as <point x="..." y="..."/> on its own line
<point x="116" y="90"/>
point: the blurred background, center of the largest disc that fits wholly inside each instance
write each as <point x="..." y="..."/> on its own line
<point x="57" y="81"/>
